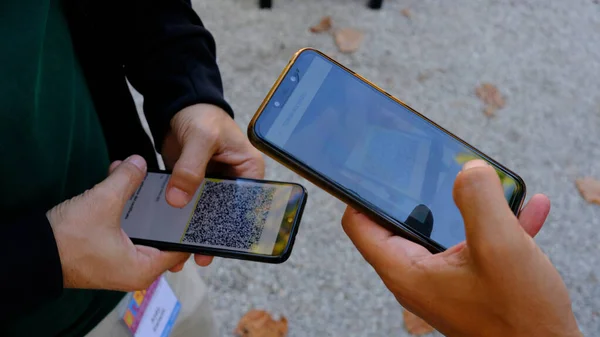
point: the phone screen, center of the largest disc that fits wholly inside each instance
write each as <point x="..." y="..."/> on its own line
<point x="373" y="147"/>
<point x="235" y="215"/>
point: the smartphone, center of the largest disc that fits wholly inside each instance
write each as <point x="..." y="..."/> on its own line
<point x="236" y="218"/>
<point x="369" y="149"/>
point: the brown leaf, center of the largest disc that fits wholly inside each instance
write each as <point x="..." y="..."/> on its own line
<point x="323" y="26"/>
<point x="589" y="189"/>
<point x="406" y="12"/>
<point x="415" y="325"/>
<point x="259" y="323"/>
<point x="348" y="40"/>
<point x="490" y="110"/>
<point x="424" y="76"/>
<point x="491" y="96"/>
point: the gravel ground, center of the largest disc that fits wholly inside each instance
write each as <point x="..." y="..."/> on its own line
<point x="543" y="55"/>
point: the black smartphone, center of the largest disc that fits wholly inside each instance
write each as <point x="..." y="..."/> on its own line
<point x="369" y="149"/>
<point x="236" y="218"/>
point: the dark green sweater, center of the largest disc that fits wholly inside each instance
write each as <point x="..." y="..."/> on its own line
<point x="52" y="148"/>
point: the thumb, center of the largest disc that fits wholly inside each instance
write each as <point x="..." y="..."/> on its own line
<point x="124" y="179"/>
<point x="479" y="196"/>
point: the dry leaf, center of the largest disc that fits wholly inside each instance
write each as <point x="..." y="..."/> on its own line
<point x="348" y="40"/>
<point x="259" y="323"/>
<point x="491" y="96"/>
<point x="490" y="110"/>
<point x="323" y="26"/>
<point x="424" y="76"/>
<point x="415" y="325"/>
<point x="589" y="189"/>
<point x="406" y="12"/>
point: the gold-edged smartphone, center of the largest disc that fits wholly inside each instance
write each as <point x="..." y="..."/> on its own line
<point x="369" y="149"/>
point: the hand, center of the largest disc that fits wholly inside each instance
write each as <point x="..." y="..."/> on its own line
<point x="204" y="138"/>
<point x="498" y="281"/>
<point x="94" y="250"/>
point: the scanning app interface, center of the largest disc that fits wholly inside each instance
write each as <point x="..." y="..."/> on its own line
<point x="370" y="145"/>
<point x="230" y="214"/>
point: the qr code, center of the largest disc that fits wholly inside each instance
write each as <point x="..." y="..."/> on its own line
<point x="230" y="214"/>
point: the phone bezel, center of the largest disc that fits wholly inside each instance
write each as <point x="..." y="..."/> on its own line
<point x="395" y="226"/>
<point x="234" y="254"/>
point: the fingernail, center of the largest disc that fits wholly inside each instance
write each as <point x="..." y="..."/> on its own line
<point x="178" y="197"/>
<point x="138" y="161"/>
<point x="475" y="163"/>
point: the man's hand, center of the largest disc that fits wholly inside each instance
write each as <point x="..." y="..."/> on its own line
<point x="94" y="250"/>
<point x="497" y="283"/>
<point x="204" y="138"/>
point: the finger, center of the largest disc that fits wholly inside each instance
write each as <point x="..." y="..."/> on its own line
<point x="203" y="260"/>
<point x="479" y="195"/>
<point x="378" y="245"/>
<point x="189" y="170"/>
<point x="125" y="178"/>
<point x="534" y="214"/>
<point x="113" y="166"/>
<point x="178" y="267"/>
<point x="154" y="262"/>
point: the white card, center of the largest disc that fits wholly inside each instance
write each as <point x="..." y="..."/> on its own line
<point x="152" y="312"/>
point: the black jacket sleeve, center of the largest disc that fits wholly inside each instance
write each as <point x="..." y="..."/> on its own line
<point x="170" y="58"/>
<point x="35" y="273"/>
